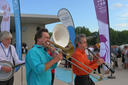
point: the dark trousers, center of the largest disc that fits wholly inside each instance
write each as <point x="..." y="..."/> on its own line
<point x="83" y="80"/>
<point x="100" y="66"/>
<point x="8" y="82"/>
<point x="53" y="76"/>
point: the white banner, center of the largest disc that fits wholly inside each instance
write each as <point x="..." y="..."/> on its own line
<point x="101" y="8"/>
<point x="66" y="18"/>
<point x="5" y="23"/>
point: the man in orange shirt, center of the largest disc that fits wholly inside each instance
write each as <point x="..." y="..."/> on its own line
<point x="82" y="78"/>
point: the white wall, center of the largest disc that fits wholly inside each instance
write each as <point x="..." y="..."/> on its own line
<point x="28" y="34"/>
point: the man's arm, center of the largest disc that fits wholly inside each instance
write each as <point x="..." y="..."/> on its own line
<point x="83" y="60"/>
<point x="55" y="59"/>
<point x="33" y="60"/>
<point x="15" y="56"/>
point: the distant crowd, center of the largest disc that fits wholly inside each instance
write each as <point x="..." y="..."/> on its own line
<point x="119" y="56"/>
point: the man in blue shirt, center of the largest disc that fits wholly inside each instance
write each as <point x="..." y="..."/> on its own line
<point x="38" y="62"/>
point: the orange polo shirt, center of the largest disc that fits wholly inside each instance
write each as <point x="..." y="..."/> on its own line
<point x="81" y="56"/>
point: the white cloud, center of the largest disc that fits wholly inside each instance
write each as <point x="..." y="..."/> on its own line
<point x="123" y="18"/>
<point x="124" y="15"/>
<point x="122" y="25"/>
<point x="117" y="5"/>
<point x="126" y="5"/>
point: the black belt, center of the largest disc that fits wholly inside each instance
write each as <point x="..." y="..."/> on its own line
<point x="82" y="76"/>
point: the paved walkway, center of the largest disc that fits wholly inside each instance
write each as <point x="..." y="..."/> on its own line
<point x="121" y="79"/>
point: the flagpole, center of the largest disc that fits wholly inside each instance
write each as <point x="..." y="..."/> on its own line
<point x="17" y="17"/>
<point x="111" y="76"/>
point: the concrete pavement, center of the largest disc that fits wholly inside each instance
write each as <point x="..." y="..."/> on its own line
<point x="121" y="78"/>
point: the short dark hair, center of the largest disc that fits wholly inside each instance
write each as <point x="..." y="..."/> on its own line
<point x="78" y="39"/>
<point x="39" y="34"/>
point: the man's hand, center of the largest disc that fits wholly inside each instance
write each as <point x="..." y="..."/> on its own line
<point x="58" y="56"/>
<point x="6" y="69"/>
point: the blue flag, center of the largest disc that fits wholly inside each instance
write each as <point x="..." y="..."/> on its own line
<point x="16" y="8"/>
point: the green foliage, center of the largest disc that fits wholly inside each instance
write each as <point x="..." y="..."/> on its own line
<point x="82" y="30"/>
<point x="86" y="31"/>
<point x="116" y="37"/>
<point x="50" y="33"/>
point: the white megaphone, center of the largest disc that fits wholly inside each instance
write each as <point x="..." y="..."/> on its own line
<point x="60" y="35"/>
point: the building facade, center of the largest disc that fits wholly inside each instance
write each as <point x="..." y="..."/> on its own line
<point x="29" y="24"/>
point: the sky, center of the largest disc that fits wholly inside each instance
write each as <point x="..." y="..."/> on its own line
<point x="82" y="11"/>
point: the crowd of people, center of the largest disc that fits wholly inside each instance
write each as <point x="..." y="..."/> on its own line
<point x="119" y="56"/>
